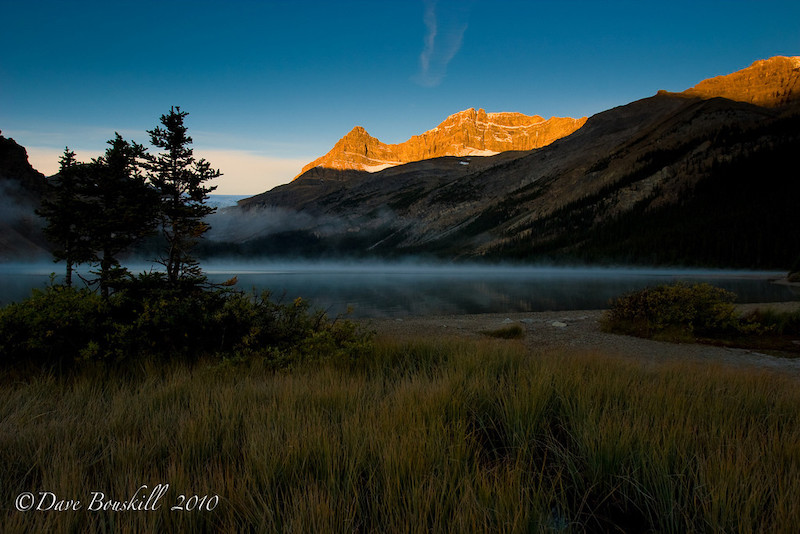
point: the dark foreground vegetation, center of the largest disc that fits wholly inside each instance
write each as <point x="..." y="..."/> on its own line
<point x="62" y="327"/>
<point x="506" y="332"/>
<point x="255" y="415"/>
<point x="701" y="312"/>
<point x="438" y="436"/>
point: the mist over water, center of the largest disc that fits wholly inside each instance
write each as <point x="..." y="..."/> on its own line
<point x="379" y="289"/>
<point x="224" y="201"/>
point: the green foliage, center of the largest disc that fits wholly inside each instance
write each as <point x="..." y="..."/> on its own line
<point x="679" y="310"/>
<point x="56" y="326"/>
<point x="255" y="327"/>
<point x="705" y="314"/>
<point x="146" y="317"/>
<point x="779" y="323"/>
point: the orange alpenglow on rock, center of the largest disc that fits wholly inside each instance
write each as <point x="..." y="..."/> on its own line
<point x="768" y="82"/>
<point x="467" y="133"/>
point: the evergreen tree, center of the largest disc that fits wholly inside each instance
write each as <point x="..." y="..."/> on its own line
<point x="64" y="208"/>
<point x="179" y="180"/>
<point x="122" y="207"/>
<point x="67" y="159"/>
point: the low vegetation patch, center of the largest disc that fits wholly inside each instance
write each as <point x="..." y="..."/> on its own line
<point x="794" y="273"/>
<point x="146" y="318"/>
<point x="700" y="312"/>
<point x="514" y="331"/>
<point x="435" y="436"/>
<point x="678" y="310"/>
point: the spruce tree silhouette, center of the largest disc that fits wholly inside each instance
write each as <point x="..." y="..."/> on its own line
<point x="179" y="180"/>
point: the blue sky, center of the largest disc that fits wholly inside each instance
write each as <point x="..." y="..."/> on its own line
<point x="271" y="86"/>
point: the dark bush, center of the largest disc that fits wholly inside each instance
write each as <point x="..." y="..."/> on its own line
<point x="514" y="331"/>
<point x="774" y="322"/>
<point x="147" y="318"/>
<point x="56" y="325"/>
<point x="679" y="310"/>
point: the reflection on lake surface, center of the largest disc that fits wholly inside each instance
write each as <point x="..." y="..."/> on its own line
<point x="397" y="290"/>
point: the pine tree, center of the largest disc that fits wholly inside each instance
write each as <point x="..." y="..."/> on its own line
<point x="63" y="207"/>
<point x="179" y="180"/>
<point x="122" y="207"/>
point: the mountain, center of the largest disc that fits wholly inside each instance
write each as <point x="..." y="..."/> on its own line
<point x="770" y="82"/>
<point x="465" y="133"/>
<point x="21" y="187"/>
<point x="15" y="168"/>
<point x="703" y="177"/>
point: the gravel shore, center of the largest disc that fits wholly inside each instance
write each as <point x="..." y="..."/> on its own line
<point x="579" y="331"/>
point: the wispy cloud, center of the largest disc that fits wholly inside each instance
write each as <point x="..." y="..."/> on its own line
<point x="445" y="24"/>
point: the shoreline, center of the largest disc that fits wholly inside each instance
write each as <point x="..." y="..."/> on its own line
<point x="578" y="331"/>
<point x="785" y="282"/>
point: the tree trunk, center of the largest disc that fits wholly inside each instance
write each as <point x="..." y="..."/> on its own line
<point x="105" y="268"/>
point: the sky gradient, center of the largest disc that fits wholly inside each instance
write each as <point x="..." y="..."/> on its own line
<point x="270" y="86"/>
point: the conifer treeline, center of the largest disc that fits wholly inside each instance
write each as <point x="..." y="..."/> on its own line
<point x="97" y="210"/>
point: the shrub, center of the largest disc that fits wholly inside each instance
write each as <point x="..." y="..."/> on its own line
<point x="147" y="318"/>
<point x="780" y="323"/>
<point x="794" y="272"/>
<point x="514" y="331"/>
<point x="254" y="326"/>
<point x="55" y="325"/>
<point x="678" y="310"/>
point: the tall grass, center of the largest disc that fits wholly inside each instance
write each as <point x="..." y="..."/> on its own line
<point x="442" y="436"/>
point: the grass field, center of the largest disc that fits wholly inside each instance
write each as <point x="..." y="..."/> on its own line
<point x="429" y="435"/>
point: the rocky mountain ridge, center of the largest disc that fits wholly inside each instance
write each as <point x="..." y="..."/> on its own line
<point x="771" y="82"/>
<point x="465" y="133"/>
<point x="677" y="178"/>
<point x="707" y="177"/>
<point x="21" y="187"/>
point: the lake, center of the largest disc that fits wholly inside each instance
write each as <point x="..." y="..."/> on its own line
<point x="406" y="289"/>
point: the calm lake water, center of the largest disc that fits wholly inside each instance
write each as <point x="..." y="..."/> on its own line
<point x="397" y="290"/>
